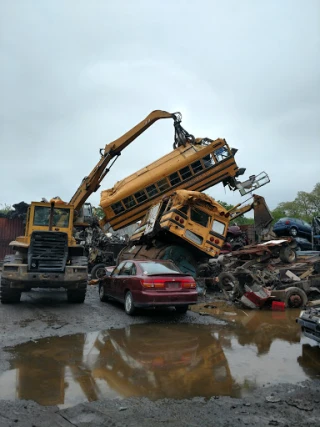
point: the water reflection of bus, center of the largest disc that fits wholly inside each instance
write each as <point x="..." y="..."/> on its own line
<point x="157" y="361"/>
<point x="193" y="167"/>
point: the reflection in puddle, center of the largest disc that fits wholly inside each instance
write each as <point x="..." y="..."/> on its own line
<point x="163" y="361"/>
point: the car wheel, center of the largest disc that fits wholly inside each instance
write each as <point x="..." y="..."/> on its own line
<point x="102" y="296"/>
<point x="287" y="254"/>
<point x="98" y="271"/>
<point x="293" y="231"/>
<point x="128" y="304"/>
<point x="181" y="308"/>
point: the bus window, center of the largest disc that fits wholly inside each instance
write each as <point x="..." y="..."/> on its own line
<point x="221" y="154"/>
<point x="184" y="209"/>
<point x="140" y="196"/>
<point x="185" y="173"/>
<point x="199" y="217"/>
<point x="152" y="190"/>
<point x="196" y="166"/>
<point x="117" y="208"/>
<point x="208" y="161"/>
<point x="218" y="227"/>
<point x="163" y="185"/>
<point x="174" y="179"/>
<point x="129" y="202"/>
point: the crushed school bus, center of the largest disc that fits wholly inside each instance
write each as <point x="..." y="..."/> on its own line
<point x="198" y="165"/>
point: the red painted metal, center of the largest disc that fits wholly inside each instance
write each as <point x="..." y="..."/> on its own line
<point x="9" y="230"/>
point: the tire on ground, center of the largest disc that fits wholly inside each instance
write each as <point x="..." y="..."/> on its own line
<point x="7" y="294"/>
<point x="98" y="271"/>
<point x="287" y="254"/>
<point x="128" y="304"/>
<point x="295" y="297"/>
<point x="77" y="296"/>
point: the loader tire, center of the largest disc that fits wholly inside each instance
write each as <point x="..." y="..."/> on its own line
<point x="295" y="297"/>
<point x="7" y="294"/>
<point x="287" y="254"/>
<point x="78" y="295"/>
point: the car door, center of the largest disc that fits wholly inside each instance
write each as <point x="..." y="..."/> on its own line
<point x="111" y="282"/>
<point x="125" y="279"/>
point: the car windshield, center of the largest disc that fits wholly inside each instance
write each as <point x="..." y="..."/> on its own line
<point x="150" y="268"/>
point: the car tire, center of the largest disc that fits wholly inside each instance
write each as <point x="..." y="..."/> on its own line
<point x="182" y="309"/>
<point x="129" y="304"/>
<point x="287" y="254"/>
<point x="295" y="297"/>
<point x="227" y="281"/>
<point x="102" y="296"/>
<point x="293" y="232"/>
<point x="98" y="271"/>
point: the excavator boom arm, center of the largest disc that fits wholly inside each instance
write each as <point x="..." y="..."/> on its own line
<point x="91" y="183"/>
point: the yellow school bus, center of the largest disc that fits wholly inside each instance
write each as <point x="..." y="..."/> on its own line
<point x="195" y="166"/>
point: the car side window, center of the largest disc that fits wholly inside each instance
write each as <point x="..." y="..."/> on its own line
<point x="129" y="269"/>
<point x="117" y="269"/>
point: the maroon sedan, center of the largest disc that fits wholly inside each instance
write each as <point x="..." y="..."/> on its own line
<point x="141" y="284"/>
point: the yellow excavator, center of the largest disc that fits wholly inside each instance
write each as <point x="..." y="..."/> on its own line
<point x="48" y="255"/>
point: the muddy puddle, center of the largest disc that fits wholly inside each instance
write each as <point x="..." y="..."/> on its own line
<point x="164" y="361"/>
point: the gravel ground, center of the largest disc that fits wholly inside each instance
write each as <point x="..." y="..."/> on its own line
<point x="46" y="313"/>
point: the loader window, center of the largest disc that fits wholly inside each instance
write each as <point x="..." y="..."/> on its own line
<point x="61" y="216"/>
<point x="41" y="216"/>
<point x="199" y="217"/>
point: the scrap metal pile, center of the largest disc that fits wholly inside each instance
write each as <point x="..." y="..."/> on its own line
<point x="267" y="274"/>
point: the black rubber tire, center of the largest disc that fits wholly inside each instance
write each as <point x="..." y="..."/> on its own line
<point x="77" y="296"/>
<point x="182" y="309"/>
<point x="289" y="292"/>
<point x="129" y="304"/>
<point x="287" y="254"/>
<point x="8" y="295"/>
<point x="293" y="232"/>
<point x="102" y="296"/>
<point x="97" y="270"/>
<point x="227" y="281"/>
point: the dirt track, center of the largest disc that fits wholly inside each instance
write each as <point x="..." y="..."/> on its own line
<point x="44" y="314"/>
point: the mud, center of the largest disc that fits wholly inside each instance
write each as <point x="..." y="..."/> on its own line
<point x="94" y="365"/>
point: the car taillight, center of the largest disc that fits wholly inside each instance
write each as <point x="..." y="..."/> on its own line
<point x="188" y="285"/>
<point x="156" y="284"/>
<point x="287" y="222"/>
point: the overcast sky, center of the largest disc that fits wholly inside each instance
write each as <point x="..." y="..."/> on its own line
<point x="75" y="75"/>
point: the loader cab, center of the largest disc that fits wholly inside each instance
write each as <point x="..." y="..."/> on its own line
<point x="52" y="217"/>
